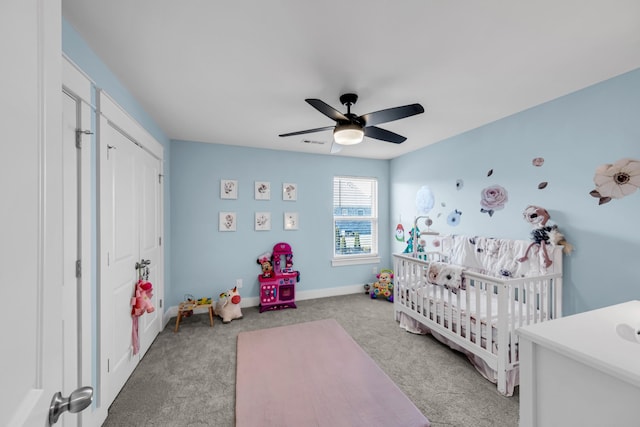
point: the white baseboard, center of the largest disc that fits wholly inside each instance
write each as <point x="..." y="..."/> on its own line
<point x="300" y="296"/>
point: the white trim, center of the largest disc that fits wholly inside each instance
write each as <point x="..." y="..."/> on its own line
<point x="247" y="302"/>
<point x="355" y="260"/>
<point x="114" y="114"/>
<point x="79" y="86"/>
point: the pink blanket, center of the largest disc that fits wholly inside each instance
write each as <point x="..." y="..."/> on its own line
<point x="315" y="374"/>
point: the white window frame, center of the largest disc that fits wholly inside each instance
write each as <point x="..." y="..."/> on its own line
<point x="355" y="259"/>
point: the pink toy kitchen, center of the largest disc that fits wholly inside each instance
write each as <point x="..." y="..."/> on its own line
<point x="278" y="279"/>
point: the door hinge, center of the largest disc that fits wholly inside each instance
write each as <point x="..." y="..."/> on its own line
<point x="160" y="241"/>
<point x="78" y="269"/>
<point x="108" y="367"/>
<point x="160" y="303"/>
<point x="160" y="176"/>
<point x="79" y="133"/>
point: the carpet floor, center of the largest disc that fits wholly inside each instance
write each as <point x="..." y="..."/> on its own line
<point x="188" y="378"/>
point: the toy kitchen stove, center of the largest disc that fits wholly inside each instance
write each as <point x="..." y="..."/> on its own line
<point x="278" y="288"/>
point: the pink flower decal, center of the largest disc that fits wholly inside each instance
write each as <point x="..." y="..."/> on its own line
<point x="493" y="199"/>
<point x="615" y="181"/>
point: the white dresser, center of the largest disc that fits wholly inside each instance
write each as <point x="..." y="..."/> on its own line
<point x="578" y="371"/>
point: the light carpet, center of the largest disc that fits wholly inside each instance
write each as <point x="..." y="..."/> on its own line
<point x="315" y="374"/>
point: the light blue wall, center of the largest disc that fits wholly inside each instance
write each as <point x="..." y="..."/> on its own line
<point x="574" y="134"/>
<point x="77" y="50"/>
<point x="206" y="261"/>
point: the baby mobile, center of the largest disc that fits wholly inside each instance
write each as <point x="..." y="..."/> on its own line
<point x="424" y="203"/>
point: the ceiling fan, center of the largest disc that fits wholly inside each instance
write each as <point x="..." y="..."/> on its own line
<point x="351" y="129"/>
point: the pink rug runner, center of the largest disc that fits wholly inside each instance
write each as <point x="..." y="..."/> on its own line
<point x="315" y="374"/>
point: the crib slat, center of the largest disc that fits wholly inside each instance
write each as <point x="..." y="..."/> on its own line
<point x="514" y="302"/>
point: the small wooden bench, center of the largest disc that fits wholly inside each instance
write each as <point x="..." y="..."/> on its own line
<point x="186" y="307"/>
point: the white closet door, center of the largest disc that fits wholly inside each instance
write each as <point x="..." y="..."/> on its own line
<point x="130" y="228"/>
<point x="119" y="223"/>
<point x="150" y="220"/>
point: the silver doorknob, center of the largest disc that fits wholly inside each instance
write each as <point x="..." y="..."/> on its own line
<point x="76" y="402"/>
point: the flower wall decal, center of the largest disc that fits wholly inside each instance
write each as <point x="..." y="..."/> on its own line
<point x="454" y="218"/>
<point x="617" y="180"/>
<point x="493" y="198"/>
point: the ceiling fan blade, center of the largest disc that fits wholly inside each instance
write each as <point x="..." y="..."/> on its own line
<point x="383" y="135"/>
<point x="327" y="109"/>
<point x="307" y="131"/>
<point x="391" y="114"/>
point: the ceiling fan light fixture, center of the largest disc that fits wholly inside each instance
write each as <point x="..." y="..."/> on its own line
<point x="348" y="134"/>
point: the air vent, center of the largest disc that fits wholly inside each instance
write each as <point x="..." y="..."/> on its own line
<point x="311" y="141"/>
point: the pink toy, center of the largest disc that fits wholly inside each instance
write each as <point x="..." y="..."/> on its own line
<point x="265" y="262"/>
<point x="140" y="303"/>
<point x="278" y="290"/>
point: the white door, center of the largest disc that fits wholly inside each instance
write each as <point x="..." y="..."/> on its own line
<point x="150" y="221"/>
<point x="32" y="213"/>
<point x="130" y="230"/>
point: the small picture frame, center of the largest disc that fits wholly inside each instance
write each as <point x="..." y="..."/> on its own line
<point x="291" y="220"/>
<point x="263" y="221"/>
<point x="228" y="189"/>
<point x="262" y="190"/>
<point x="227" y="221"/>
<point x="289" y="191"/>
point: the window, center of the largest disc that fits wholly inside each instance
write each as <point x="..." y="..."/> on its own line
<point x="355" y="220"/>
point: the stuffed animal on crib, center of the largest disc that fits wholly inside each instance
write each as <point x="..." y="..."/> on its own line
<point x="383" y="288"/>
<point x="543" y="234"/>
<point x="267" y="266"/>
<point x="228" y="306"/>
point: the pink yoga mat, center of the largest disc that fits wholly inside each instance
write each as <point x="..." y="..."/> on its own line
<point x="315" y="374"/>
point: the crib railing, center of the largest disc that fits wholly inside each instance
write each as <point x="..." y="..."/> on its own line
<point x="483" y="317"/>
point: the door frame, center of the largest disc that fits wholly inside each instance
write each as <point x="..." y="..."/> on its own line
<point x="79" y="86"/>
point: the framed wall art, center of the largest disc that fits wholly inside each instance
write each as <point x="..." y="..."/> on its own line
<point x="291" y="220"/>
<point x="263" y="221"/>
<point x="228" y="189"/>
<point x="262" y="190"/>
<point x="289" y="191"/>
<point x="227" y="221"/>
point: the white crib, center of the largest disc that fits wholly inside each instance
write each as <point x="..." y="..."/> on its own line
<point x="480" y="318"/>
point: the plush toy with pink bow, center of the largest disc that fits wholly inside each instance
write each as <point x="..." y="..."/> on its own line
<point x="141" y="302"/>
<point x="228" y="306"/>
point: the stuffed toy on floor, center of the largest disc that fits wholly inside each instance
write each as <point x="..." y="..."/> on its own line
<point x="228" y="306"/>
<point x="383" y="288"/>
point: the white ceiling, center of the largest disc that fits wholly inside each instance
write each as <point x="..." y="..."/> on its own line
<point x="238" y="72"/>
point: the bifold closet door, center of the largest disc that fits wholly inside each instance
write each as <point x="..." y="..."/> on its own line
<point x="130" y="229"/>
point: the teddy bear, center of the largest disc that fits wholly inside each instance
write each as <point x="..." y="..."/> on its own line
<point x="228" y="306"/>
<point x="383" y="288"/>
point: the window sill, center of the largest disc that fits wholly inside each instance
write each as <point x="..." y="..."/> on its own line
<point x="355" y="260"/>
